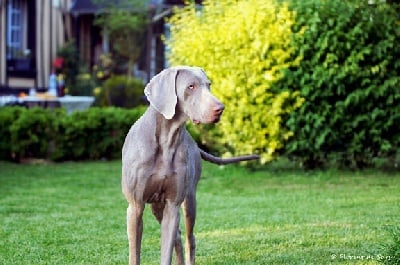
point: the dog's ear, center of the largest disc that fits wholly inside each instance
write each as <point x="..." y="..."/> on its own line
<point x="161" y="92"/>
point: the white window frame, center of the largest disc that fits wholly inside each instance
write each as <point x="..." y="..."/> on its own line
<point x="16" y="28"/>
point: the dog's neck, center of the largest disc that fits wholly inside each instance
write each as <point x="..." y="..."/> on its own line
<point x="168" y="131"/>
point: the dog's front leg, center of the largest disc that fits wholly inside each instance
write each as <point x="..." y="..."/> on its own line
<point x="169" y="228"/>
<point x="135" y="229"/>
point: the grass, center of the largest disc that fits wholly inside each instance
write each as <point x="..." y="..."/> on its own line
<point x="74" y="213"/>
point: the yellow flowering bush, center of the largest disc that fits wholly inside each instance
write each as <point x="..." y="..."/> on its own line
<point x="243" y="46"/>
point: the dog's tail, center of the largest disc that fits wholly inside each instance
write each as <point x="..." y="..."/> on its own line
<point x="223" y="161"/>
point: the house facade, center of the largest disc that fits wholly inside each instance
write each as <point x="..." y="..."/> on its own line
<point x="91" y="41"/>
<point x="32" y="31"/>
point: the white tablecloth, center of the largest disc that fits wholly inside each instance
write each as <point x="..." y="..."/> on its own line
<point x="70" y="103"/>
<point x="7" y="99"/>
<point x="73" y="103"/>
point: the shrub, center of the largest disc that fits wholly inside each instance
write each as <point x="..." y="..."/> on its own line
<point x="243" y="46"/>
<point x="349" y="78"/>
<point x="95" y="133"/>
<point x="40" y="133"/>
<point x="33" y="132"/>
<point x="121" y="91"/>
<point x="7" y="117"/>
<point x="85" y="84"/>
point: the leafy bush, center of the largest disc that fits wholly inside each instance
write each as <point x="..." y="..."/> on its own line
<point x="243" y="46"/>
<point x="85" y="84"/>
<point x="7" y="117"/>
<point x="95" y="133"/>
<point x="32" y="133"/>
<point x="41" y="133"/>
<point x="121" y="91"/>
<point x="349" y="76"/>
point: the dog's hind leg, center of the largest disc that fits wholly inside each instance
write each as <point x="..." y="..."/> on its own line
<point x="189" y="210"/>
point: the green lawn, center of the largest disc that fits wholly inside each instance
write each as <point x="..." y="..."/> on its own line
<point x="74" y="213"/>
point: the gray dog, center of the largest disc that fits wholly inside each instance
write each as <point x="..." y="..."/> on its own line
<point x="161" y="163"/>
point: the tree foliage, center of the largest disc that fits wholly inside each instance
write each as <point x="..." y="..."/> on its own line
<point x="243" y="46"/>
<point x="125" y="23"/>
<point x="349" y="77"/>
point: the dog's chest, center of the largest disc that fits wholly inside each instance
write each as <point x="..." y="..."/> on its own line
<point x="168" y="178"/>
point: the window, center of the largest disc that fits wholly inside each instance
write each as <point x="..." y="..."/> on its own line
<point x="17" y="29"/>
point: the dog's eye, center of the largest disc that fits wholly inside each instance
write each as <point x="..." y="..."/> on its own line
<point x="191" y="87"/>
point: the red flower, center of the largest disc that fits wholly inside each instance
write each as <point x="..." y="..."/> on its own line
<point x="58" y="63"/>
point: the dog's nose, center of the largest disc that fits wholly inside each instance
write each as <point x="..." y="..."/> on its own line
<point x="219" y="108"/>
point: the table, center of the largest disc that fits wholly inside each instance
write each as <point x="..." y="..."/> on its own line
<point x="73" y="103"/>
<point x="4" y="100"/>
<point x="32" y="101"/>
<point x="70" y="103"/>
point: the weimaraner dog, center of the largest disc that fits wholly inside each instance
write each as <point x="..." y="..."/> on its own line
<point x="161" y="163"/>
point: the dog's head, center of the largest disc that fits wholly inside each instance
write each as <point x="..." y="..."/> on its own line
<point x="185" y="90"/>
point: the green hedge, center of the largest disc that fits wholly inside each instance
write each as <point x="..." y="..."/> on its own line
<point x="349" y="78"/>
<point x="39" y="133"/>
<point x="8" y="116"/>
<point x="32" y="133"/>
<point x="121" y="91"/>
